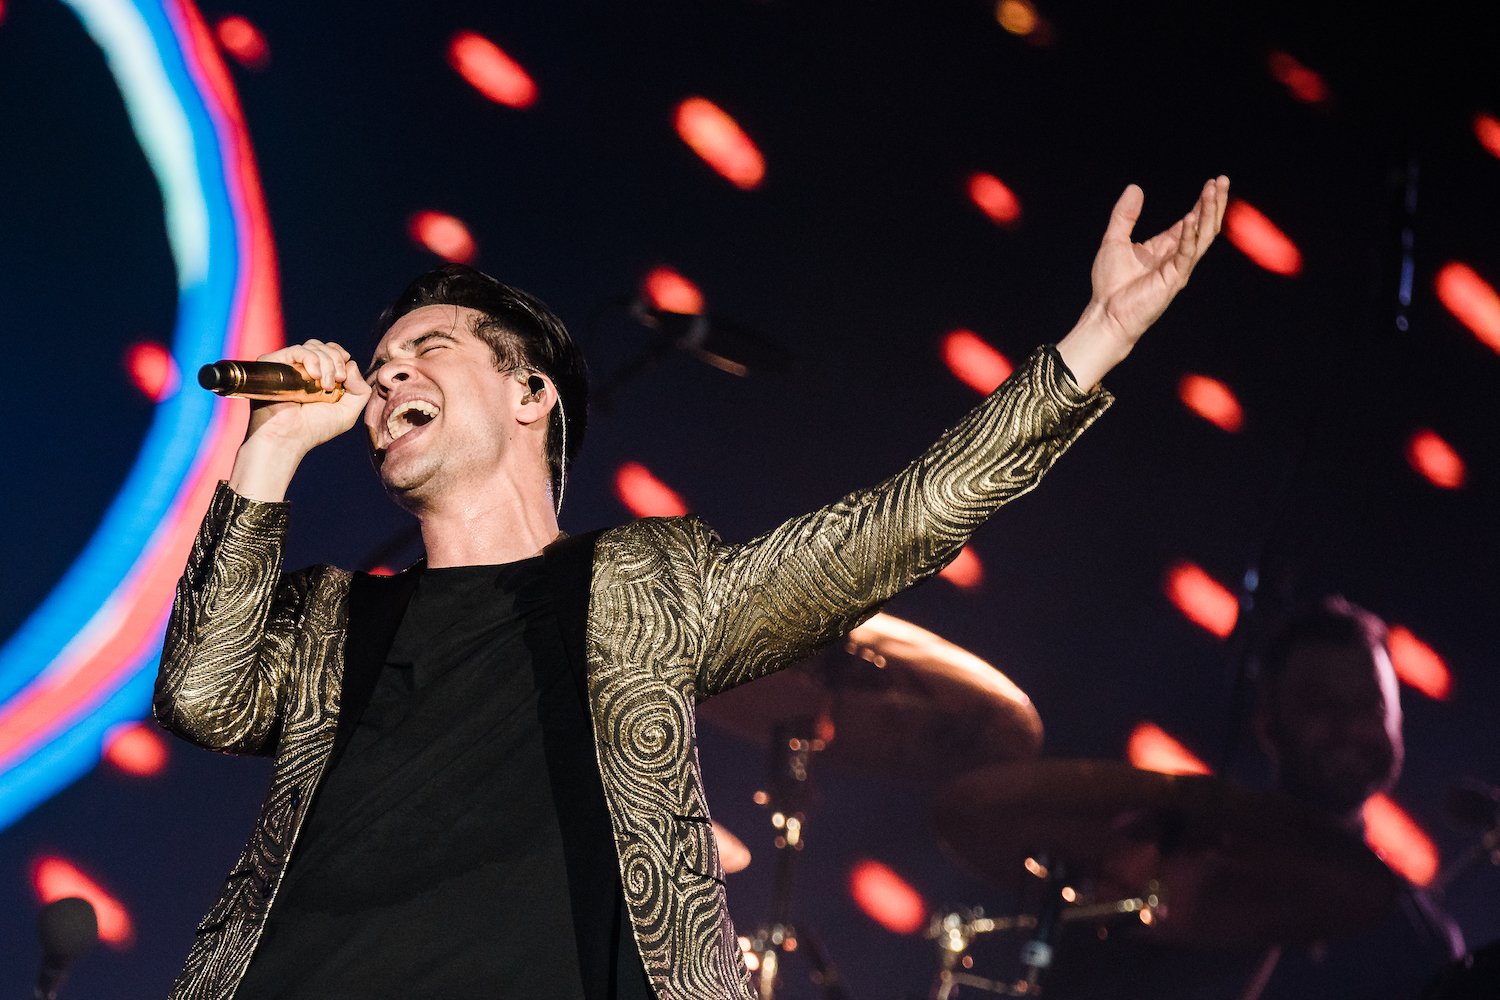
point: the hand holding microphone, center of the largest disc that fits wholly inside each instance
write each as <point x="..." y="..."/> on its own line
<point x="301" y="396"/>
<point x="312" y="372"/>
<point x="268" y="381"/>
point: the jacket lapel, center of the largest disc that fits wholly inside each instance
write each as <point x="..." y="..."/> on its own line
<point x="569" y="563"/>
<point x="582" y="814"/>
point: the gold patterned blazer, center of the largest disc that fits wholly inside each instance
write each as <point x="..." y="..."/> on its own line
<point x="254" y="663"/>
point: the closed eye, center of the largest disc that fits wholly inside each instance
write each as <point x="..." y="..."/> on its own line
<point x="429" y="341"/>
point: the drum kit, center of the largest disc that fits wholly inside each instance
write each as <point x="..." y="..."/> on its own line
<point x="1187" y="860"/>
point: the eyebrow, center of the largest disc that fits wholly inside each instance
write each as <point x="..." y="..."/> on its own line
<point x="410" y="345"/>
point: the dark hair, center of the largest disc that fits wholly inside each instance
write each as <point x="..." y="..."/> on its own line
<point x="1335" y="621"/>
<point x="521" y="332"/>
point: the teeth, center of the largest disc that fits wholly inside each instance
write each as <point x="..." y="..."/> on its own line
<point x="396" y="426"/>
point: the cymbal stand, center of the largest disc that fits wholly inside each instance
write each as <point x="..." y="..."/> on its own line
<point x="954" y="933"/>
<point x="788" y="800"/>
<point x="1037" y="952"/>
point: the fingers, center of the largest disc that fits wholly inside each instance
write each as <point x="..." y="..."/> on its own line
<point x="357" y="392"/>
<point x="1211" y="206"/>
<point x="1164" y="244"/>
<point x="1201" y="225"/>
<point x="1123" y="216"/>
<point x="354" y="380"/>
<point x="1192" y="238"/>
<point x="325" y="363"/>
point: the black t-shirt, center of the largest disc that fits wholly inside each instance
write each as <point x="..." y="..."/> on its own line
<point x="459" y="845"/>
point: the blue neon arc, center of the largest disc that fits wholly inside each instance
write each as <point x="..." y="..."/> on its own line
<point x="175" y="124"/>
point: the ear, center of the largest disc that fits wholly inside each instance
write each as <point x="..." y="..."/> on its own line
<point x="537" y="397"/>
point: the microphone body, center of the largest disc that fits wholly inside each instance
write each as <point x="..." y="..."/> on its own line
<point x="266" y="380"/>
<point x="68" y="927"/>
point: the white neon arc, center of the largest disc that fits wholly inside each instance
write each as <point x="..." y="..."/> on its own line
<point x="160" y="126"/>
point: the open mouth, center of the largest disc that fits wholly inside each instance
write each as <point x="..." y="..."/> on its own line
<point x="408" y="417"/>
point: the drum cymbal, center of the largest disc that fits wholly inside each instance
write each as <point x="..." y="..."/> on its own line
<point x="895" y="700"/>
<point x="734" y="856"/>
<point x="1238" y="868"/>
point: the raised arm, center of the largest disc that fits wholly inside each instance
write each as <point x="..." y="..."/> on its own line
<point x="773" y="600"/>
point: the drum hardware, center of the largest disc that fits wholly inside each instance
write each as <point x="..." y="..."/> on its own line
<point x="954" y="933"/>
<point x="897" y="701"/>
<point x="763" y="957"/>
<point x="1244" y="869"/>
<point x="789" y="797"/>
<point x="734" y="856"/>
<point x="1099" y="841"/>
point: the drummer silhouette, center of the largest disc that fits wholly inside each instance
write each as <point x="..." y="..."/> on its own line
<point x="1327" y="716"/>
<point x="1328" y="710"/>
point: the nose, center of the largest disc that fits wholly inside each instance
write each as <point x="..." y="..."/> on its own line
<point x="391" y="374"/>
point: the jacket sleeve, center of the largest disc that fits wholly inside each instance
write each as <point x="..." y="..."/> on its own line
<point x="773" y="600"/>
<point x="229" y="642"/>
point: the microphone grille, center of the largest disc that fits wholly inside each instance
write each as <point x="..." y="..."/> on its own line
<point x="68" y="927"/>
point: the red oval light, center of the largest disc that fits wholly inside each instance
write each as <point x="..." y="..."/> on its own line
<point x="718" y="139"/>
<point x="490" y="71"/>
<point x="1258" y="238"/>
<point x="645" y="495"/>
<point x="445" y="235"/>
<point x="1202" y="600"/>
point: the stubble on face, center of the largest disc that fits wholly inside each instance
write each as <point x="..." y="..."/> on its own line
<point x="431" y="355"/>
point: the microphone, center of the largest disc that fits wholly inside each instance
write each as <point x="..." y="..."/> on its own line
<point x="711" y="338"/>
<point x="266" y="380"/>
<point x="68" y="928"/>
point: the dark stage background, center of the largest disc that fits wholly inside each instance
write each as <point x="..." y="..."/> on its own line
<point x="858" y="253"/>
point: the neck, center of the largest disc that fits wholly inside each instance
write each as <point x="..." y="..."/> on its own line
<point x="499" y="525"/>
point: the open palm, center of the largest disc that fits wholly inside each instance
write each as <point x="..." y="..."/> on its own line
<point x="1135" y="282"/>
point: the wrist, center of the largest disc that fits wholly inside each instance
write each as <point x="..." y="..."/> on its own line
<point x="1093" y="347"/>
<point x="263" y="472"/>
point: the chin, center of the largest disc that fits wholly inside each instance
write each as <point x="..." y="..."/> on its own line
<point x="405" y="490"/>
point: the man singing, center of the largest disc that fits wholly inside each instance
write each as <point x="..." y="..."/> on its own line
<point x="486" y="781"/>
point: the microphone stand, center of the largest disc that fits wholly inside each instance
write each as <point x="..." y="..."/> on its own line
<point x="69" y="929"/>
<point x="657" y="348"/>
<point x="1258" y="603"/>
<point x="1253" y="625"/>
<point x="711" y="338"/>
